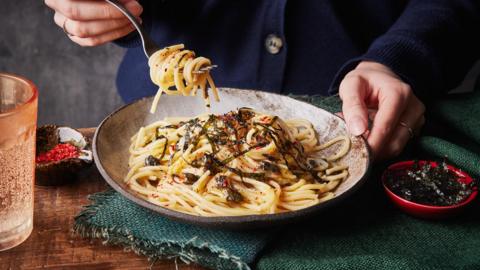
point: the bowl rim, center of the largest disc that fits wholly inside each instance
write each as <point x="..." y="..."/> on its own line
<point x="401" y="200"/>
<point x="224" y="220"/>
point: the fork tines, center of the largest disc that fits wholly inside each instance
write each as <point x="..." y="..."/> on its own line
<point x="205" y="69"/>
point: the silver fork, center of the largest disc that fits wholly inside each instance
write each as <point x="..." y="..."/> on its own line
<point x="149" y="46"/>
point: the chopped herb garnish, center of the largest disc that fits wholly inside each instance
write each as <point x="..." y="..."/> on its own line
<point x="268" y="166"/>
<point x="190" y="178"/>
<point x="228" y="132"/>
<point x="152" y="161"/>
<point x="232" y="194"/>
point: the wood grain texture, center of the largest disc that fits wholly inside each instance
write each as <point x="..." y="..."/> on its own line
<point x="52" y="244"/>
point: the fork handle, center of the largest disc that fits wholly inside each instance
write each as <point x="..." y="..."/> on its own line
<point x="149" y="46"/>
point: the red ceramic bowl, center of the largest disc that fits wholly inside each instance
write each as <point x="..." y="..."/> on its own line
<point x="428" y="211"/>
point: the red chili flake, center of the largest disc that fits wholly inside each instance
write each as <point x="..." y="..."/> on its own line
<point x="59" y="152"/>
<point x="264" y="119"/>
<point x="222" y="181"/>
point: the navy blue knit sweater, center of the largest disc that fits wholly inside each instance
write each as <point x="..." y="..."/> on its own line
<point x="429" y="43"/>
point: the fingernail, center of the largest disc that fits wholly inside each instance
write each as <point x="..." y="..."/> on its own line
<point x="133" y="5"/>
<point x="356" y="126"/>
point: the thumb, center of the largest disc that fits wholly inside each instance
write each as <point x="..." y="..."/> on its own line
<point x="352" y="91"/>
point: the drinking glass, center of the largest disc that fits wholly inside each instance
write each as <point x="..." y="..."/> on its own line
<point x="18" y="121"/>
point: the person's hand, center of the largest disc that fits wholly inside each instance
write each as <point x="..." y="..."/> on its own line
<point x="93" y="22"/>
<point x="373" y="91"/>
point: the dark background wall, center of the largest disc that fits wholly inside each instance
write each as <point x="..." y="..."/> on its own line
<point x="76" y="84"/>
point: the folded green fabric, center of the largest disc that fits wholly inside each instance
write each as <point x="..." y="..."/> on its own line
<point x="461" y="157"/>
<point x="458" y="135"/>
<point x="116" y="220"/>
<point x="369" y="233"/>
<point x="364" y="232"/>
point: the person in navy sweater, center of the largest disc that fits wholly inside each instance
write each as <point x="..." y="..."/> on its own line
<point x="382" y="57"/>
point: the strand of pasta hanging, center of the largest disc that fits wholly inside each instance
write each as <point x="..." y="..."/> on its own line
<point x="178" y="71"/>
<point x="240" y="163"/>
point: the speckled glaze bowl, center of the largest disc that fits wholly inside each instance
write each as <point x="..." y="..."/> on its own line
<point x="112" y="140"/>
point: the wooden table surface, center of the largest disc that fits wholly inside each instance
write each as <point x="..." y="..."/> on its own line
<point x="52" y="244"/>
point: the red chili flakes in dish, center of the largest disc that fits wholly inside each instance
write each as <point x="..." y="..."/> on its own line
<point x="59" y="152"/>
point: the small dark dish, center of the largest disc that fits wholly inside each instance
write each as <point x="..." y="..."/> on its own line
<point x="428" y="189"/>
<point x="60" y="154"/>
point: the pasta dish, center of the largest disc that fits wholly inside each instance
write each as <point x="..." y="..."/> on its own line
<point x="178" y="72"/>
<point x="243" y="162"/>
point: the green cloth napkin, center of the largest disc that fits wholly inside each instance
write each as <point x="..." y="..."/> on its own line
<point x="364" y="232"/>
<point x="116" y="220"/>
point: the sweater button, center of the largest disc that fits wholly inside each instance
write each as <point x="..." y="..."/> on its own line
<point x="273" y="43"/>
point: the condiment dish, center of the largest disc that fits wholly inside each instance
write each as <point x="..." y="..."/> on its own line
<point x="423" y="210"/>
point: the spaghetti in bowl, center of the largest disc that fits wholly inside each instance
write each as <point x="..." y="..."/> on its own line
<point x="259" y="177"/>
<point x="242" y="162"/>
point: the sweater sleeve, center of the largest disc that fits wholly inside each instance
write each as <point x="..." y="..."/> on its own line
<point x="431" y="46"/>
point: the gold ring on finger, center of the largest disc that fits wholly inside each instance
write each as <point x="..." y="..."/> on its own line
<point x="410" y="130"/>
